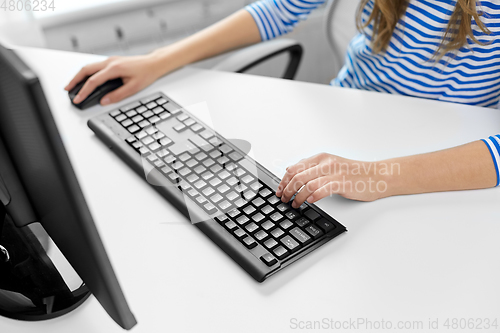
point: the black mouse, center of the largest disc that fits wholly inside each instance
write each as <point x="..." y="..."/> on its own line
<point x="95" y="97"/>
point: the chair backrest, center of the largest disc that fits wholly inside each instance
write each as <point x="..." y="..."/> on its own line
<point x="340" y="26"/>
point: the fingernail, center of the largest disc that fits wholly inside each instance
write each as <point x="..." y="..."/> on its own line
<point x="77" y="99"/>
<point x="310" y="199"/>
<point x="294" y="204"/>
<point x="105" y="101"/>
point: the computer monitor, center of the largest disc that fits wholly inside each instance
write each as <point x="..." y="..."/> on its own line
<point x="38" y="184"/>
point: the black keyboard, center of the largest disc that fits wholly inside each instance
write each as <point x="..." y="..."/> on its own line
<point x="224" y="192"/>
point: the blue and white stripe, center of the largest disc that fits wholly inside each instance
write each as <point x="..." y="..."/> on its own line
<point x="471" y="75"/>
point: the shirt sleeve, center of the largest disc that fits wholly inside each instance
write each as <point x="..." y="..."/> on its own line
<point x="278" y="17"/>
<point x="493" y="144"/>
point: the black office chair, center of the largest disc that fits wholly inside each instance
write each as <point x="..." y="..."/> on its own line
<point x="339" y="26"/>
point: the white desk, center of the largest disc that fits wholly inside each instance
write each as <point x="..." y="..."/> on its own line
<point x="404" y="258"/>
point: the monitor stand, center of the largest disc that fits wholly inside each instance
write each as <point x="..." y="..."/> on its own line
<point x="31" y="287"/>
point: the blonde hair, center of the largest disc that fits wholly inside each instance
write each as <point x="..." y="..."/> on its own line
<point x="387" y="13"/>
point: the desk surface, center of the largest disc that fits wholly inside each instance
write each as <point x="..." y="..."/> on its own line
<point x="404" y="258"/>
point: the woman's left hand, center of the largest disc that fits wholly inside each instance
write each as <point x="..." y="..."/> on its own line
<point x="325" y="174"/>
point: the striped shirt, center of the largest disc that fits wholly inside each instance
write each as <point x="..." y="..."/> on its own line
<point x="470" y="75"/>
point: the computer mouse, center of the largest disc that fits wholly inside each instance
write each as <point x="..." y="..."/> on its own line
<point x="95" y="97"/>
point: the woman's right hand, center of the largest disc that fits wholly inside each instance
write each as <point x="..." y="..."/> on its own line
<point x="137" y="72"/>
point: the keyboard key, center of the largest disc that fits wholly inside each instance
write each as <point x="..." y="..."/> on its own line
<point x="233" y="212"/>
<point x="325" y="225"/>
<point x="215" y="154"/>
<point x="192" y="178"/>
<point x="292" y="215"/>
<point x="161" y="101"/>
<point x="225" y="149"/>
<point x="261" y="235"/>
<point x="207" y="175"/>
<point x="157" y="135"/>
<point x="251" y="227"/>
<point x="127" y="123"/>
<point x="258" y="217"/>
<point x="180" y="127"/>
<point x="290" y="243"/>
<point x="276" y="217"/>
<point x="144" y="123"/>
<point x="184" y="157"/>
<point x="273" y="200"/>
<point x="232" y="181"/>
<point x="281" y="252"/>
<point x="265" y="192"/>
<point x="154" y="146"/>
<point x="247" y="179"/>
<point x="268" y="259"/>
<point x="164" y="115"/>
<point x="224" y="174"/>
<point x="208" y="191"/>
<point x="239" y="172"/>
<point x="231" y="225"/>
<point x="148" y="114"/>
<point x="267" y="209"/>
<point x="141" y="109"/>
<point x="189" y="122"/>
<point x="121" y="118"/>
<point x="286" y="224"/>
<point x="131" y="113"/>
<point x="134" y="128"/>
<point x="191" y="163"/>
<point x="192" y="193"/>
<point x="177" y="165"/>
<point x="141" y="135"/>
<point x="258" y="202"/>
<point x="249" y="195"/>
<point x="197" y="128"/>
<point x="154" y="119"/>
<point x="138" y="118"/>
<point x="165" y="142"/>
<point x="300" y="235"/>
<point x="199" y="169"/>
<point x="312" y="215"/>
<point x="283" y="207"/>
<point x="115" y="113"/>
<point x="158" y="110"/>
<point x="200" y="184"/>
<point x="232" y="195"/>
<point x="200" y="142"/>
<point x="209" y="208"/>
<point x="215" y="168"/>
<point x="240" y="202"/>
<point x="270" y="243"/>
<point x="277" y="233"/>
<point x="235" y="156"/>
<point x="249" y="209"/>
<point x="201" y="156"/>
<point x="302" y="222"/>
<point x="208" y="162"/>
<point x="222" y="160"/>
<point x="207" y="134"/>
<point x="249" y="242"/>
<point x="223" y="188"/>
<point x="267" y="225"/>
<point x="216" y="141"/>
<point x="216" y="198"/>
<point x="151" y="105"/>
<point x="215" y="182"/>
<point x="172" y="108"/>
<point x="242" y="219"/>
<point x="240" y="188"/>
<point x="182" y="117"/>
<point x="314" y="231"/>
<point x="239" y="233"/>
<point x="225" y="205"/>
